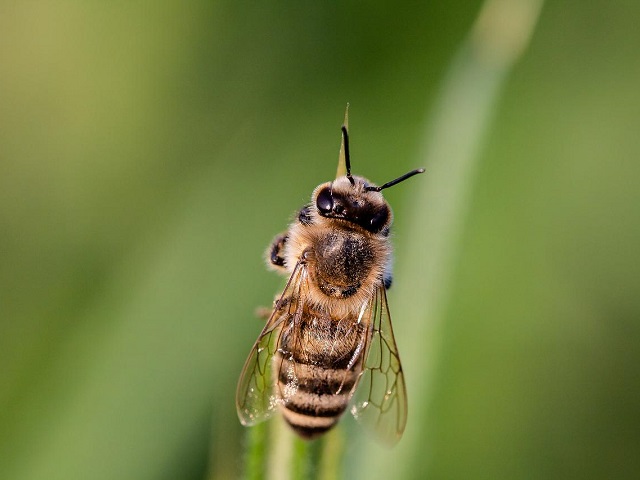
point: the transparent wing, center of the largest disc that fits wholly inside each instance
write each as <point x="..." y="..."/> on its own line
<point x="257" y="396"/>
<point x="380" y="397"/>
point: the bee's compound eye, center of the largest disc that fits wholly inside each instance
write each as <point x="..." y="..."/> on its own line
<point x="324" y="202"/>
<point x="379" y="219"/>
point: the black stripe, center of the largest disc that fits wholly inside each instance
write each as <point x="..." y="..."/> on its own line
<point x="315" y="410"/>
<point x="322" y="386"/>
<point x="324" y="332"/>
<point x="326" y="386"/>
<point x="309" y="432"/>
<point x="322" y="360"/>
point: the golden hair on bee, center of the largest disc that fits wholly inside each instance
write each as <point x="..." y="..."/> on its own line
<point x="329" y="340"/>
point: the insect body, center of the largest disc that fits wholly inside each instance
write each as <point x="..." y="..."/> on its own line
<point x="329" y="337"/>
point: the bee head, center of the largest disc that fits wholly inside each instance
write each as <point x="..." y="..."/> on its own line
<point x="355" y="199"/>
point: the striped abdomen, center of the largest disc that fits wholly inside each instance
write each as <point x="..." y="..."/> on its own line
<point x="318" y="363"/>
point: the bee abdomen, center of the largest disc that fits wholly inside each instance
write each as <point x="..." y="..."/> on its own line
<point x="309" y="427"/>
<point x="311" y="415"/>
<point x="321" y="395"/>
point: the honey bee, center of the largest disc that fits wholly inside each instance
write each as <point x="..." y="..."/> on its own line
<point x="329" y="340"/>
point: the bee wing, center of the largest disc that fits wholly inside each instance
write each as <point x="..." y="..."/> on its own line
<point x="257" y="396"/>
<point x="381" y="397"/>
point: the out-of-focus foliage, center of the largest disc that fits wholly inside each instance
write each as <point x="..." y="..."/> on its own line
<point x="150" y="151"/>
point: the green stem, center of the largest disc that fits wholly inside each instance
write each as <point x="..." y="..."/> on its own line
<point x="302" y="463"/>
<point x="255" y="452"/>
<point x="453" y="140"/>
<point x="331" y="455"/>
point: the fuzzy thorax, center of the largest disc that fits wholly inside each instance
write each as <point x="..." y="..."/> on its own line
<point x="345" y="265"/>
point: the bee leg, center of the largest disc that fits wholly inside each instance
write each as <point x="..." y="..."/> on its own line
<point x="387" y="279"/>
<point x="279" y="303"/>
<point x="263" y="313"/>
<point x="304" y="216"/>
<point x="275" y="259"/>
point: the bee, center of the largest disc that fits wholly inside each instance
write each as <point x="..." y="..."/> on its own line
<point x="328" y="341"/>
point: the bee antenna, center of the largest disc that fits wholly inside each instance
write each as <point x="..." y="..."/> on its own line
<point x="347" y="158"/>
<point x="396" y="181"/>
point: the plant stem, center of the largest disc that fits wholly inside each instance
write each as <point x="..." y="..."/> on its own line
<point x="453" y="139"/>
<point x="255" y="452"/>
<point x="331" y="455"/>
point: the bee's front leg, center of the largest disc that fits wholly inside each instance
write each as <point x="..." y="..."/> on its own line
<point x="387" y="279"/>
<point x="275" y="257"/>
<point x="279" y="303"/>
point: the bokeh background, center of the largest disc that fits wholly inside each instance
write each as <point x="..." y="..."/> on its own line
<point x="149" y="151"/>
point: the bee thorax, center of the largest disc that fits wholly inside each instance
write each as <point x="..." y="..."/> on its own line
<point x="342" y="263"/>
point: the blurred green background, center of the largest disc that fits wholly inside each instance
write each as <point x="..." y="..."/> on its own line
<point x="149" y="151"/>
